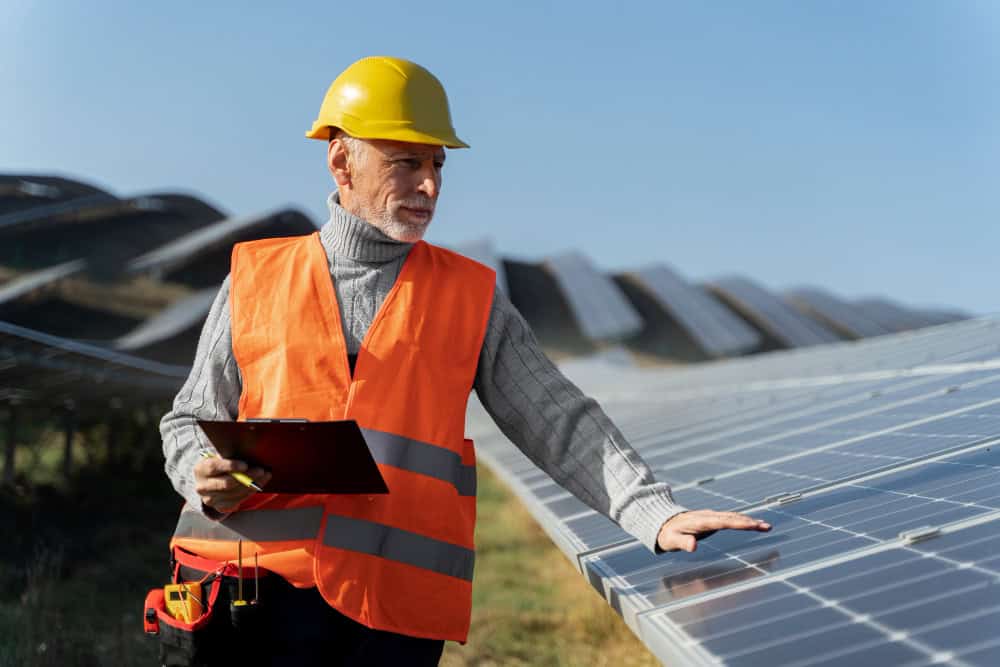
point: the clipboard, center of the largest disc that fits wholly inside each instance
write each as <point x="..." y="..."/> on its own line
<point x="302" y="456"/>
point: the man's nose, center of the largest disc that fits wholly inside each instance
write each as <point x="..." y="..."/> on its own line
<point x="430" y="183"/>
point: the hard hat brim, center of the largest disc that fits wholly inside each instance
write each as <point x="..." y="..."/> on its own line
<point x="448" y="139"/>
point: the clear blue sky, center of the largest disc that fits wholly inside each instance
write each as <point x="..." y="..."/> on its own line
<point x="850" y="145"/>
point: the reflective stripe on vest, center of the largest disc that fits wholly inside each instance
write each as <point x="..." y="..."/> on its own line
<point x="402" y="546"/>
<point x="265" y="525"/>
<point x="423" y="459"/>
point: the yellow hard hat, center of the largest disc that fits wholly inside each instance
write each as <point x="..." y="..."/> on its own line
<point x="387" y="98"/>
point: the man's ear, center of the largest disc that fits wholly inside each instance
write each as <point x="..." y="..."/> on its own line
<point x="337" y="162"/>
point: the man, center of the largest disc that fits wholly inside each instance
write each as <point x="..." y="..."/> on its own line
<point x="366" y="321"/>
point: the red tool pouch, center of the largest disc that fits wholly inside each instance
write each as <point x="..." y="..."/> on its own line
<point x="210" y="639"/>
<point x="181" y="643"/>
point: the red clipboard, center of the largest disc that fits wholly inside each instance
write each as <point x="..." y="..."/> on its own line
<point x="302" y="456"/>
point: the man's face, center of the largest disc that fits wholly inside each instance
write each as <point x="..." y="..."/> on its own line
<point x="394" y="185"/>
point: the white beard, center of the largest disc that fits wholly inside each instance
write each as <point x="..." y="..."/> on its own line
<point x="394" y="228"/>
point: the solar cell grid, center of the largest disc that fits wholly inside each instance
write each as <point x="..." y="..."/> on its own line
<point x="837" y="521"/>
<point x="935" y="601"/>
<point x="862" y="446"/>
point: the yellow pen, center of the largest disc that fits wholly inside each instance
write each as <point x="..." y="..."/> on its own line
<point x="240" y="477"/>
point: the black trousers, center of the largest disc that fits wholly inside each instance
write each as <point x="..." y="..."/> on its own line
<point x="296" y="627"/>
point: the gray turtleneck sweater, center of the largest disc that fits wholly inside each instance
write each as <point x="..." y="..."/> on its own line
<point x="561" y="430"/>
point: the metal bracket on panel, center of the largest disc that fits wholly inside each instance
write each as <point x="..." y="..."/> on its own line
<point x="783" y="498"/>
<point x="919" y="534"/>
<point x="704" y="480"/>
<point x="952" y="389"/>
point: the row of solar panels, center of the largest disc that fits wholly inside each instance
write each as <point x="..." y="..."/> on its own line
<point x="567" y="295"/>
<point x="876" y="463"/>
<point x="137" y="275"/>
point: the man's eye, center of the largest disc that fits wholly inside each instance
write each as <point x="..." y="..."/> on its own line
<point x="409" y="163"/>
<point x="439" y="165"/>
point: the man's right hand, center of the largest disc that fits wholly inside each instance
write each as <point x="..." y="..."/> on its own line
<point x="216" y="486"/>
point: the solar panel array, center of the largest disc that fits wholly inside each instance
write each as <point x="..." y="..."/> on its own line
<point x="85" y="275"/>
<point x="874" y="460"/>
<point x="770" y="314"/>
<point x="715" y="328"/>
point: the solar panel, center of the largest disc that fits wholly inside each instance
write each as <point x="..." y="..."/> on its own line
<point x="601" y="310"/>
<point x="835" y="313"/>
<point x="38" y="365"/>
<point x="782" y="322"/>
<point x="855" y="452"/>
<point x="715" y="329"/>
<point x="892" y="316"/>
<point x="183" y="315"/>
<point x="33" y="281"/>
<point x="201" y="257"/>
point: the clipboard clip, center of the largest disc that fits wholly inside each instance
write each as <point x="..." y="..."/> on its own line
<point x="294" y="420"/>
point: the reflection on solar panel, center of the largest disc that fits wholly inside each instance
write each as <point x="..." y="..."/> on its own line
<point x="837" y="314"/>
<point x="715" y="329"/>
<point x="600" y="309"/>
<point x="769" y="313"/>
<point x="876" y="463"/>
<point x="483" y="252"/>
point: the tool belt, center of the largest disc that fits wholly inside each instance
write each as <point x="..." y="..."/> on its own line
<point x="226" y="631"/>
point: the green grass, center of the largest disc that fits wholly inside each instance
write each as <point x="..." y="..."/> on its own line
<point x="78" y="556"/>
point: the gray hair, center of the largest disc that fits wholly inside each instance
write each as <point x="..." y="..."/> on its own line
<point x="357" y="152"/>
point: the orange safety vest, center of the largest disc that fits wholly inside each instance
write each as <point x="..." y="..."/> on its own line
<point x="400" y="562"/>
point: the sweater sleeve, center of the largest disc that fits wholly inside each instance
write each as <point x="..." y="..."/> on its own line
<point x="563" y="431"/>
<point x="211" y="391"/>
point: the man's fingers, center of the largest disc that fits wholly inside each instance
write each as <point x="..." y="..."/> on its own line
<point x="215" y="467"/>
<point x="217" y="485"/>
<point x="703" y="522"/>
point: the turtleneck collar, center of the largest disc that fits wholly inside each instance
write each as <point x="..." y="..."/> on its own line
<point x="347" y="235"/>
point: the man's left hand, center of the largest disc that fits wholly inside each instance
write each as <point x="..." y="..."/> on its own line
<point x="681" y="532"/>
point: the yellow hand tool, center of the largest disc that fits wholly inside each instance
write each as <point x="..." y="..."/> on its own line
<point x="183" y="600"/>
